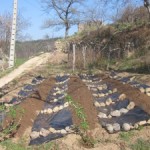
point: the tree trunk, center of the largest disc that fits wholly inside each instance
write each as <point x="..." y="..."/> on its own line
<point x="147" y="5"/>
<point x="66" y="31"/>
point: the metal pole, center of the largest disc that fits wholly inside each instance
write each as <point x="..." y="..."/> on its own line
<point x="13" y="36"/>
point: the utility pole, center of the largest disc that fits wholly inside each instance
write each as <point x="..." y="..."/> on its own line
<point x="13" y="35"/>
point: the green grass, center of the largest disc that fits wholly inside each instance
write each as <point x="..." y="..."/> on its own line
<point x="140" y="144"/>
<point x="18" y="62"/>
<point x="126" y="136"/>
<point x="21" y="145"/>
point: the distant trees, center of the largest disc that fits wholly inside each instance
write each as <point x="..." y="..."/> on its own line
<point x="5" y="30"/>
<point x="63" y="13"/>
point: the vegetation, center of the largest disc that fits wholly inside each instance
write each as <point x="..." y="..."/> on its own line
<point x="126" y="136"/>
<point x="21" y="145"/>
<point x="141" y="144"/>
<point x="87" y="140"/>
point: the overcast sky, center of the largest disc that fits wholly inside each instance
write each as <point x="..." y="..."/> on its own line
<point x="32" y="11"/>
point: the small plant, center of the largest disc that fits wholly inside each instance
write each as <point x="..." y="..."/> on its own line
<point x="2" y="108"/>
<point x="14" y="116"/>
<point x="80" y="113"/>
<point x="87" y="140"/>
<point x="140" y="144"/>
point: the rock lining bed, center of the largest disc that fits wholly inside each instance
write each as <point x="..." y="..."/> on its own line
<point x="116" y="112"/>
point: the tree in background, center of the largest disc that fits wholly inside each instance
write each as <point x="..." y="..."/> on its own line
<point x="63" y="13"/>
<point x="5" y="30"/>
<point x="147" y="5"/>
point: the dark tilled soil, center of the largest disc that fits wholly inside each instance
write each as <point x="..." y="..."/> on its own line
<point x="140" y="99"/>
<point x="80" y="93"/>
<point x="32" y="105"/>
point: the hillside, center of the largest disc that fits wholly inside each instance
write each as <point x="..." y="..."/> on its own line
<point x="123" y="47"/>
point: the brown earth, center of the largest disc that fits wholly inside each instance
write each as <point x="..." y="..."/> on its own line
<point x="31" y="106"/>
<point x="80" y="94"/>
<point x="140" y="99"/>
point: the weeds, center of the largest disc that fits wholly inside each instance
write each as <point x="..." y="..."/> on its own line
<point x="21" y="145"/>
<point x="126" y="136"/>
<point x="12" y="123"/>
<point x="140" y="144"/>
<point x="87" y="140"/>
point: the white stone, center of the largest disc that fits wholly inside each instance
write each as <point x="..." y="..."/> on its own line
<point x="54" y="94"/>
<point x="108" y="102"/>
<point x="122" y="97"/>
<point x="49" y="111"/>
<point x="110" y="92"/>
<point x="115" y="113"/>
<point x="44" y="132"/>
<point x="101" y="95"/>
<point x="141" y="123"/>
<point x="148" y="121"/>
<point x="102" y="115"/>
<point x="95" y="95"/>
<point x="42" y="112"/>
<point x="109" y="116"/>
<point x="55" y="100"/>
<point x="131" y="105"/>
<point x="136" y="126"/>
<point x="123" y="110"/>
<point x="66" y="104"/>
<point x="100" y="88"/>
<point x="109" y="128"/>
<point x="102" y="105"/>
<point x="97" y="104"/>
<point x="45" y="111"/>
<point x="148" y="90"/>
<point x="63" y="131"/>
<point x="61" y="107"/>
<point x="56" y="109"/>
<point x="142" y="90"/>
<point x="148" y="94"/>
<point x="126" y="127"/>
<point x="116" y="127"/>
<point x="34" y="135"/>
<point x="52" y="130"/>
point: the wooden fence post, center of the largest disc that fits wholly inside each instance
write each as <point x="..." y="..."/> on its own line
<point x="84" y="56"/>
<point x="74" y="57"/>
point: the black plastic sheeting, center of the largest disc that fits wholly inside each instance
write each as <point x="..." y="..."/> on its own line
<point x="128" y="80"/>
<point x="27" y="90"/>
<point x="132" y="117"/>
<point x="58" y="120"/>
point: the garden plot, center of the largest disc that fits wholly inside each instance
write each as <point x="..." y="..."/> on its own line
<point x="116" y="112"/>
<point x="26" y="91"/>
<point x="130" y="80"/>
<point x="55" y="119"/>
<point x="52" y="117"/>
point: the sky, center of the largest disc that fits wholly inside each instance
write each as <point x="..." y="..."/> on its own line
<point x="31" y="10"/>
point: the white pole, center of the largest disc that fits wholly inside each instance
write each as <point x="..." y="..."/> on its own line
<point x="13" y="36"/>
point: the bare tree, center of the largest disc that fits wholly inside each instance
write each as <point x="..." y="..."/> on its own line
<point x="147" y="5"/>
<point x="5" y="29"/>
<point x="65" y="13"/>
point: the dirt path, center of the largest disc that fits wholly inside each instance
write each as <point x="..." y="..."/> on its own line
<point x="32" y="64"/>
<point x="27" y="66"/>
